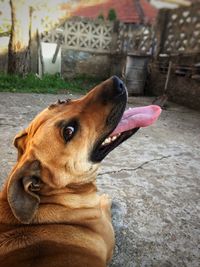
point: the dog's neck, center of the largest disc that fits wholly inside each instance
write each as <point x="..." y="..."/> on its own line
<point x="57" y="203"/>
<point x="75" y="188"/>
<point x="73" y="196"/>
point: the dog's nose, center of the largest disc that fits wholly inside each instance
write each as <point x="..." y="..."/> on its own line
<point x="118" y="85"/>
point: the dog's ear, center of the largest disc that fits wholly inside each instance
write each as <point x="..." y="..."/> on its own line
<point x="22" y="192"/>
<point x="20" y="142"/>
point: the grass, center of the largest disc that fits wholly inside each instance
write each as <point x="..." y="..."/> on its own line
<point x="53" y="84"/>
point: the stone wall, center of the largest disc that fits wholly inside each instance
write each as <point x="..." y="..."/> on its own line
<point x="178" y="30"/>
<point x="75" y="63"/>
<point x="178" y="41"/>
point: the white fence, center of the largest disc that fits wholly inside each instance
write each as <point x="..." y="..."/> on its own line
<point x="84" y="35"/>
<point x="102" y="37"/>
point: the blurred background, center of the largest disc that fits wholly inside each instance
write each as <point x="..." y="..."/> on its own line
<point x="134" y="39"/>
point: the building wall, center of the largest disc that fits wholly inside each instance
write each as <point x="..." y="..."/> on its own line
<point x="178" y="35"/>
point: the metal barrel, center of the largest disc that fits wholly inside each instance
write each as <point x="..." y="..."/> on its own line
<point x="135" y="74"/>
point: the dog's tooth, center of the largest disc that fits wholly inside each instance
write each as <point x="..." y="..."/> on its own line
<point x="109" y="140"/>
<point x="114" y="138"/>
<point x="106" y="141"/>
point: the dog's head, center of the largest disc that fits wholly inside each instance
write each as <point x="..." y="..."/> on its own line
<point x="65" y="143"/>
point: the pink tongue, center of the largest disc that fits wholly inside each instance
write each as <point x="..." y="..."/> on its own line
<point x="137" y="117"/>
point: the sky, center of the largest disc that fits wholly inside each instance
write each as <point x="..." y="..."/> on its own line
<point x="43" y="9"/>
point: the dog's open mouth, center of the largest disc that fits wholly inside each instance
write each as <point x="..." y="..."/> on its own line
<point x="130" y="122"/>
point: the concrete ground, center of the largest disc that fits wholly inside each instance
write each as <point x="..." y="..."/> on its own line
<point x="153" y="179"/>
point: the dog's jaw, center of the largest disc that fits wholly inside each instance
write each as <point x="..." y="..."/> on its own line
<point x="129" y="124"/>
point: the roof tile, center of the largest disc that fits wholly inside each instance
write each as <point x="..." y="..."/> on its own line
<point x="128" y="11"/>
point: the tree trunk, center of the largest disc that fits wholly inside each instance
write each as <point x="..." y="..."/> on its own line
<point x="18" y="53"/>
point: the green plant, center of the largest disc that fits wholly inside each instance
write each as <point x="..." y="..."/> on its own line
<point x="48" y="84"/>
<point x="112" y="16"/>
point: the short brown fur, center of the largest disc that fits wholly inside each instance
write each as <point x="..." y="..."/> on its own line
<point x="50" y="212"/>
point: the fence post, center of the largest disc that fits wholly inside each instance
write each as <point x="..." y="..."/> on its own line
<point x="160" y="28"/>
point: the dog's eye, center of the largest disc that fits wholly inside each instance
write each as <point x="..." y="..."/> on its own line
<point x="68" y="132"/>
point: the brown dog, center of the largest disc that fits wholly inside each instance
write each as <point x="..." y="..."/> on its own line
<point x="50" y="212"/>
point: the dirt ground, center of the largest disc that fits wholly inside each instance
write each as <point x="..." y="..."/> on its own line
<point x="153" y="179"/>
